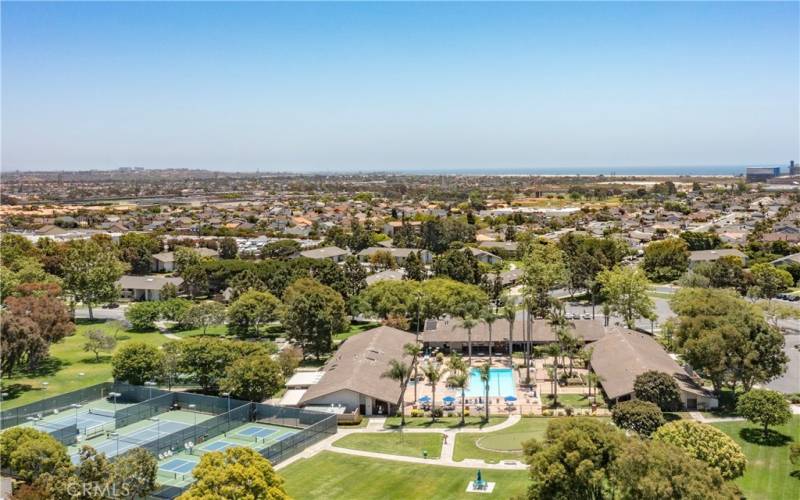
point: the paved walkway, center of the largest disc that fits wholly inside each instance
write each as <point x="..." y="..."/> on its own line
<point x="376" y="424"/>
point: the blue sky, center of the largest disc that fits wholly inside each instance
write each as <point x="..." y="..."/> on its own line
<point x="338" y="86"/>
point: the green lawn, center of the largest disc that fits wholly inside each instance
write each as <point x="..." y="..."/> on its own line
<point x="443" y="422"/>
<point x="410" y="444"/>
<point x="507" y="443"/>
<point x="769" y="474"/>
<point x="62" y="371"/>
<point x="354" y="329"/>
<point x="216" y="331"/>
<point x="332" y="476"/>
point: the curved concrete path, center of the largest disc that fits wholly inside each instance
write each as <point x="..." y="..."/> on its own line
<point x="448" y="446"/>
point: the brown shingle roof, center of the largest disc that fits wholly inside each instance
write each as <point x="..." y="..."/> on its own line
<point x="625" y="354"/>
<point x="359" y="363"/>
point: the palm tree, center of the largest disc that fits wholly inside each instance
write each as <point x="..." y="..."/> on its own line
<point x="434" y="372"/>
<point x="485" y="370"/>
<point x="554" y="350"/>
<point x="459" y="380"/>
<point x="414" y="350"/>
<point x="490" y="317"/>
<point x="509" y="313"/>
<point x="468" y="322"/>
<point x="399" y="371"/>
<point x="528" y="334"/>
<point x="592" y="379"/>
<point x="459" y="377"/>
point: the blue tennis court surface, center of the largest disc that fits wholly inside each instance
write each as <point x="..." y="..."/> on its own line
<point x="114" y="446"/>
<point x="178" y="465"/>
<point x="256" y="431"/>
<point x="219" y="446"/>
<point x="83" y="421"/>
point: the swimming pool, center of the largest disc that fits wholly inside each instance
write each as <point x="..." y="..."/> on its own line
<point x="501" y="383"/>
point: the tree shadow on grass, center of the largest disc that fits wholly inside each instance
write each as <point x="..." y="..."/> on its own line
<point x="92" y="360"/>
<point x="759" y="437"/>
<point x="46" y="367"/>
<point x="795" y="474"/>
<point x="15" y="390"/>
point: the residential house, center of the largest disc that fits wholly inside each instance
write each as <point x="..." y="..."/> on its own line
<point x="400" y="254"/>
<point x="164" y="262"/>
<point x="699" y="256"/>
<point x="335" y="254"/>
<point x="145" y="287"/>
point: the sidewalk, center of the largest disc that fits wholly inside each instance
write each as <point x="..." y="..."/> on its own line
<point x="376" y="424"/>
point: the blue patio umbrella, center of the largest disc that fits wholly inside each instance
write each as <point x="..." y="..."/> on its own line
<point x="424" y="399"/>
<point x="510" y="398"/>
<point x="448" y="399"/>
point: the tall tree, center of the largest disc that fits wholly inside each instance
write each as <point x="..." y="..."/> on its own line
<point x="489" y="317"/>
<point x="544" y="270"/>
<point x="355" y="277"/>
<point x="135" y="474"/>
<point x="573" y="461"/>
<point x="253" y="378"/>
<point x="725" y="338"/>
<point x="666" y="260"/>
<point x="399" y="372"/>
<point x="238" y="472"/>
<point x="136" y="363"/>
<point x="228" y="249"/>
<point x="205" y="314"/>
<point x="414" y="349"/>
<point x="91" y="273"/>
<point x="31" y="323"/>
<point x="314" y="312"/>
<point x="509" y="313"/>
<point x="459" y="378"/>
<point x="769" y="281"/>
<point x="414" y="268"/>
<point x="485" y="372"/>
<point x="647" y="470"/>
<point x="137" y="249"/>
<point x="764" y="407"/>
<point x="434" y="372"/>
<point x="625" y="289"/>
<point x="251" y="311"/>
<point x="468" y="322"/>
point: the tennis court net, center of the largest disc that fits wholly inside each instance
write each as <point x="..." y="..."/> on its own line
<point x="173" y="476"/>
<point x="240" y="437"/>
<point x="102" y="413"/>
<point x="199" y="452"/>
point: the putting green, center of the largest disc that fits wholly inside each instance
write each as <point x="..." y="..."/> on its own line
<point x="511" y="442"/>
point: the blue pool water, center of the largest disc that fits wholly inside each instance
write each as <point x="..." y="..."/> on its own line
<point x="501" y="383"/>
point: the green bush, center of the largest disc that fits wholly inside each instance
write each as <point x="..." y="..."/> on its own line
<point x="641" y="417"/>
<point x="143" y="315"/>
<point x="705" y="443"/>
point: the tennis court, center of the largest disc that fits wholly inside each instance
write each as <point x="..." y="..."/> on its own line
<point x="117" y="445"/>
<point x="220" y="445"/>
<point x="178" y="465"/>
<point x="262" y="433"/>
<point x="88" y="422"/>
